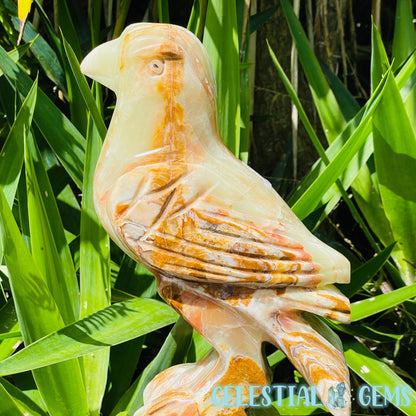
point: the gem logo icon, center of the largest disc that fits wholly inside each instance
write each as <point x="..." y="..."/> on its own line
<point x="336" y="396"/>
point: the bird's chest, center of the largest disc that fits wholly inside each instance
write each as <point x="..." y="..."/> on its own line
<point x="147" y="195"/>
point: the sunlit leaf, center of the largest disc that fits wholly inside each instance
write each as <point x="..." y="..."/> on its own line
<point x="110" y="326"/>
<point x="60" y="384"/>
<point x="378" y="374"/>
<point x="66" y="141"/>
<point x="404" y="39"/>
<point x="368" y="307"/>
<point x="22" y="401"/>
<point x="310" y="199"/>
<point x="329" y="112"/>
<point x="95" y="282"/>
<point x="361" y="275"/>
<point x="173" y="351"/>
<point x="221" y="43"/>
<point x="395" y="160"/>
<point x="48" y="243"/>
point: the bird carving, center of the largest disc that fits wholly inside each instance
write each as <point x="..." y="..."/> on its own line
<point x="227" y="252"/>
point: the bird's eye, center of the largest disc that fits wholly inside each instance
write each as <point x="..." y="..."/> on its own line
<point x="157" y="66"/>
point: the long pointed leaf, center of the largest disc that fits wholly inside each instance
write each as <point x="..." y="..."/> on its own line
<point x="221" y="43"/>
<point x="361" y="275"/>
<point x="173" y="352"/>
<point x="67" y="26"/>
<point x="60" y="385"/>
<point x="395" y="158"/>
<point x="85" y="90"/>
<point x="53" y="261"/>
<point x="379" y="61"/>
<point x="110" y="326"/>
<point x="64" y="139"/>
<point x="43" y="52"/>
<point x="94" y="272"/>
<point x="404" y="39"/>
<point x="371" y="306"/>
<point x="9" y="326"/>
<point x="11" y="156"/>
<point x="378" y="374"/>
<point x="23" y="402"/>
<point x="310" y="199"/>
<point x="329" y="112"/>
<point x="7" y="405"/>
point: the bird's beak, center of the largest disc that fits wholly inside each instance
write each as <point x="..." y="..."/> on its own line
<point x="102" y="63"/>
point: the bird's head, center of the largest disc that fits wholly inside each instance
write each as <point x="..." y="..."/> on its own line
<point x="152" y="59"/>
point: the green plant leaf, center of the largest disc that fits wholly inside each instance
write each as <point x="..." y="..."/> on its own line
<point x="406" y="71"/>
<point x="404" y="39"/>
<point x="94" y="17"/>
<point x="346" y="101"/>
<point x="85" y="90"/>
<point x="45" y="55"/>
<point x="64" y="139"/>
<point x="61" y="384"/>
<point x="163" y="10"/>
<point x="365" y="332"/>
<point x="110" y="326"/>
<point x="378" y="374"/>
<point x="332" y="196"/>
<point x="245" y="102"/>
<point x="123" y="363"/>
<point x="379" y="60"/>
<point x="367" y="195"/>
<point x="8" y="318"/>
<point x="196" y="23"/>
<point x="371" y="306"/>
<point x="18" y="52"/>
<point x="135" y="279"/>
<point x="67" y="27"/>
<point x="263" y="411"/>
<point x="173" y="351"/>
<point x="76" y="102"/>
<point x="333" y="193"/>
<point x="275" y="358"/>
<point x="48" y="243"/>
<point x="94" y="272"/>
<point x="7" y="405"/>
<point x="366" y="185"/>
<point x="302" y="114"/>
<point x="395" y="159"/>
<point x="11" y="156"/>
<point x="9" y="327"/>
<point x="221" y="43"/>
<point x="361" y="275"/>
<point x="310" y="198"/>
<point x="122" y="11"/>
<point x="329" y="111"/>
<point x="11" y="334"/>
<point x="23" y="402"/>
<point x="23" y="216"/>
<point x="259" y="19"/>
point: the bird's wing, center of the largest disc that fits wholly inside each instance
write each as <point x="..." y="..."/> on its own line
<point x="182" y="230"/>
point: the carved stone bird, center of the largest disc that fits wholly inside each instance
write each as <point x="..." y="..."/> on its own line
<point x="227" y="252"/>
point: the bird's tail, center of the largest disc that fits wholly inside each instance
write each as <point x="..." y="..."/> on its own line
<point x="321" y="363"/>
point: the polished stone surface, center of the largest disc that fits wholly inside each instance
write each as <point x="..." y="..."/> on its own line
<point x="227" y="252"/>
